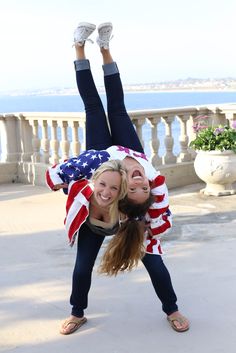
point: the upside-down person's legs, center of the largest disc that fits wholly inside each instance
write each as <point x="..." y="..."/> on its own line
<point x="122" y="130"/>
<point x="97" y="131"/>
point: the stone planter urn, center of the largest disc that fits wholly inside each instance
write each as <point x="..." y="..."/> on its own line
<point x="218" y="170"/>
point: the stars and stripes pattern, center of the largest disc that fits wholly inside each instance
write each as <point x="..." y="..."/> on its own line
<point x="76" y="168"/>
<point x="83" y="166"/>
<point x="158" y="217"/>
<point x="75" y="171"/>
<point x="77" y="207"/>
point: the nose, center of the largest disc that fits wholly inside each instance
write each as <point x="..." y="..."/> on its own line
<point x="138" y="181"/>
<point x="106" y="192"/>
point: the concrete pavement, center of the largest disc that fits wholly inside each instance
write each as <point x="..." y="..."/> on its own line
<point x="124" y="315"/>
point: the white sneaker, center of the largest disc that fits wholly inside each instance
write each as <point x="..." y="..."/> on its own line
<point x="82" y="32"/>
<point x="104" y="35"/>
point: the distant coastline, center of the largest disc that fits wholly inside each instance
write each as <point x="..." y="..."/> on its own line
<point x="134" y="100"/>
<point x="185" y="85"/>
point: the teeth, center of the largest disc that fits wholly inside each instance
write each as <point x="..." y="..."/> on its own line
<point x="104" y="198"/>
<point x="137" y="177"/>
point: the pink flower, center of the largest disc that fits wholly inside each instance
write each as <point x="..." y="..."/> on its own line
<point x="234" y="124"/>
<point x="218" y="131"/>
<point x="198" y="127"/>
<point x="199" y="117"/>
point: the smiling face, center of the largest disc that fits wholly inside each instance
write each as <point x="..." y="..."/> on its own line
<point x="138" y="183"/>
<point x="106" y="188"/>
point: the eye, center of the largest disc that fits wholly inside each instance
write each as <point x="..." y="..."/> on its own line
<point x="132" y="189"/>
<point x="102" y="183"/>
<point x="145" y="188"/>
<point x="114" y="188"/>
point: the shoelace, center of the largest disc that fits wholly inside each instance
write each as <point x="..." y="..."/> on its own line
<point x="103" y="41"/>
<point x="85" y="40"/>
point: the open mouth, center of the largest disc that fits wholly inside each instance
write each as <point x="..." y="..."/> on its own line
<point x="104" y="198"/>
<point x="136" y="174"/>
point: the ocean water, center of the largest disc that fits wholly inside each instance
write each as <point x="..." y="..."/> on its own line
<point x="133" y="101"/>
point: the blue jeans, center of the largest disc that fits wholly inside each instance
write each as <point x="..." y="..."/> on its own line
<point x="88" y="246"/>
<point x="98" y="136"/>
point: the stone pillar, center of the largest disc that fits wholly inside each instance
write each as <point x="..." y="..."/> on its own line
<point x="169" y="157"/>
<point x="83" y="128"/>
<point x="155" y="142"/>
<point x="75" y="139"/>
<point x="230" y="117"/>
<point x="10" y="139"/>
<point x="139" y="125"/>
<point x="65" y="144"/>
<point x="45" y="143"/>
<point x="54" y="143"/>
<point x="35" y="141"/>
<point x="26" y="139"/>
<point x="216" y="117"/>
<point x="185" y="155"/>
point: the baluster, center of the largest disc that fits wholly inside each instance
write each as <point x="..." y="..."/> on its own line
<point x="65" y="144"/>
<point x="184" y="155"/>
<point x="139" y="124"/>
<point x="83" y="144"/>
<point x="35" y="141"/>
<point x="3" y="140"/>
<point x="191" y="133"/>
<point x="45" y="142"/>
<point x="215" y="117"/>
<point x="155" y="142"/>
<point x="11" y="149"/>
<point x="169" y="156"/>
<point x="54" y="144"/>
<point x="230" y="118"/>
<point x="75" y="139"/>
<point x="26" y="139"/>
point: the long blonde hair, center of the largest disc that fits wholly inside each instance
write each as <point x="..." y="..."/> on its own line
<point x="114" y="166"/>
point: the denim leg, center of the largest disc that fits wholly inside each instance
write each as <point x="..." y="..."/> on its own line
<point x="122" y="129"/>
<point x="161" y="281"/>
<point x="98" y="136"/>
<point x="87" y="250"/>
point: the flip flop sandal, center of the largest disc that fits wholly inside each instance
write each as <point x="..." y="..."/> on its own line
<point x="181" y="320"/>
<point x="75" y="325"/>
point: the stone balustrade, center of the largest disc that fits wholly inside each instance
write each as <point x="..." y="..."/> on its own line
<point x="29" y="142"/>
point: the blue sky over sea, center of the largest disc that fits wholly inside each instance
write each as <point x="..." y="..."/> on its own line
<point x="154" y="40"/>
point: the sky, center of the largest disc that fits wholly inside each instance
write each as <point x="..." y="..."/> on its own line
<point x="154" y="40"/>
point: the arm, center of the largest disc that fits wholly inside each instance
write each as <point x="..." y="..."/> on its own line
<point x="159" y="214"/>
<point x="53" y="178"/>
<point x="76" y="168"/>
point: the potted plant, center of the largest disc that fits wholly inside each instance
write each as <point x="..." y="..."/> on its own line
<point x="215" y="162"/>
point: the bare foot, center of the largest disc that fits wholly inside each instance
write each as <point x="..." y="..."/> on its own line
<point x="178" y="322"/>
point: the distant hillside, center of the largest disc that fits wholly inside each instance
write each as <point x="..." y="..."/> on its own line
<point x="188" y="84"/>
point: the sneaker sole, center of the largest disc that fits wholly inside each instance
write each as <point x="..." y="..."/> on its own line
<point x="87" y="24"/>
<point x="105" y="24"/>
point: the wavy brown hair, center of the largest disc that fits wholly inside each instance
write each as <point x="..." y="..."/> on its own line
<point x="126" y="247"/>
